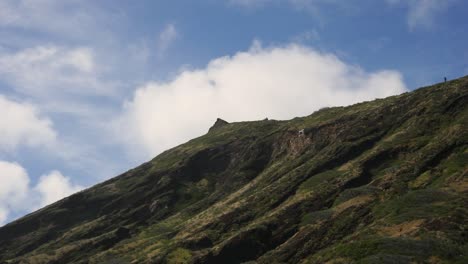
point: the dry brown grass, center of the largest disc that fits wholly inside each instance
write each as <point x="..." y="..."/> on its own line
<point x="404" y="229"/>
<point x="356" y="201"/>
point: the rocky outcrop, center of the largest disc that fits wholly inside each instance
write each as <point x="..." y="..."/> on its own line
<point x="218" y="124"/>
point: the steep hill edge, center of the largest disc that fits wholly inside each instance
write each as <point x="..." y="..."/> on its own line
<point x="377" y="182"/>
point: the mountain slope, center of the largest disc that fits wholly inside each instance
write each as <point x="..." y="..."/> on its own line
<point x="377" y="182"/>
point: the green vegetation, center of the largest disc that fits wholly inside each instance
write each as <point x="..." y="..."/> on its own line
<point x="179" y="256"/>
<point x="377" y="182"/>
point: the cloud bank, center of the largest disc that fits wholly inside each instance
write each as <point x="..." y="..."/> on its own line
<point x="14" y="188"/>
<point x="54" y="186"/>
<point x="45" y="71"/>
<point x="74" y="19"/>
<point x="278" y="82"/>
<point x="22" y="124"/>
<point x="16" y="195"/>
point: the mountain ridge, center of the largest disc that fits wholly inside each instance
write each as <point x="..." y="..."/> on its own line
<point x="376" y="182"/>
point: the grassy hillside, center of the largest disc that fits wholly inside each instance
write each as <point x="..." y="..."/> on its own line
<point x="377" y="182"/>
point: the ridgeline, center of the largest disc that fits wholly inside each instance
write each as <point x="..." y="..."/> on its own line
<point x="376" y="182"/>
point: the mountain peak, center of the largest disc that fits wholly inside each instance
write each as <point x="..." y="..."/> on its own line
<point x="219" y="123"/>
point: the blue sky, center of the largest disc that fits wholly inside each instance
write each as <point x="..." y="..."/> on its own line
<point x="89" y="89"/>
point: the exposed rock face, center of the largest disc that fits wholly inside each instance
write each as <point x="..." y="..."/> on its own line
<point x="377" y="182"/>
<point x="218" y="124"/>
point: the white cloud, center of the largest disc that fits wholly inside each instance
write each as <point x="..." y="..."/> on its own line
<point x="279" y="83"/>
<point x="14" y="183"/>
<point x="421" y="13"/>
<point x="54" y="186"/>
<point x="72" y="18"/>
<point x="16" y="195"/>
<point x="22" y="124"/>
<point x="166" y="38"/>
<point x="81" y="59"/>
<point x="45" y="71"/>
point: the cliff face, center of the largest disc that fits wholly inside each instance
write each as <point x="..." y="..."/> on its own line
<point x="377" y="182"/>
